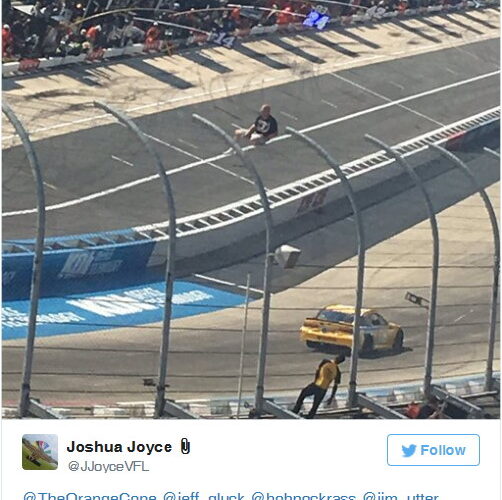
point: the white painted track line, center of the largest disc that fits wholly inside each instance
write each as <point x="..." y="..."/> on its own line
<point x="312" y="128"/>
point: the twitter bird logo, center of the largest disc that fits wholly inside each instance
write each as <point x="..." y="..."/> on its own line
<point x="409" y="451"/>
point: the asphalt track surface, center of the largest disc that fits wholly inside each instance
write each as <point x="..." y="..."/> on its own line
<point x="393" y="100"/>
<point x="109" y="366"/>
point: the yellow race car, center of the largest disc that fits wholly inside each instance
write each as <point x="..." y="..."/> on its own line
<point x="334" y="325"/>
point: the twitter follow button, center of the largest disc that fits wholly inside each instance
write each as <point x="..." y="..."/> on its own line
<point x="433" y="450"/>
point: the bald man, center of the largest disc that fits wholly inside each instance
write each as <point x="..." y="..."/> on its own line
<point x="263" y="129"/>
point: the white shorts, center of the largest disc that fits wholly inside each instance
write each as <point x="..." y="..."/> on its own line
<point x="258" y="138"/>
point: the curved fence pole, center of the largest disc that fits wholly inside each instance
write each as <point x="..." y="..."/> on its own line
<point x="361" y="254"/>
<point x="496" y="257"/>
<point x="431" y="322"/>
<point x="160" y="400"/>
<point x="267" y="272"/>
<point x="24" y="401"/>
<point x="492" y="152"/>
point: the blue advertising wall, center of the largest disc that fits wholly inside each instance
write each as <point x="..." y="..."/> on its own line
<point x="62" y="267"/>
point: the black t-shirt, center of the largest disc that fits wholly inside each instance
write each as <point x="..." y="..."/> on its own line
<point x="426" y="411"/>
<point x="266" y="126"/>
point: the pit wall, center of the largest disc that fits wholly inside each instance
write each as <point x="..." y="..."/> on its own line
<point x="31" y="65"/>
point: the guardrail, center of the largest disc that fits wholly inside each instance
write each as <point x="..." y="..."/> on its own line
<point x="226" y="407"/>
<point x="29" y="65"/>
<point x="138" y="250"/>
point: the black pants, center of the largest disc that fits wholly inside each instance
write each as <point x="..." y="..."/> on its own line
<point x="310" y="390"/>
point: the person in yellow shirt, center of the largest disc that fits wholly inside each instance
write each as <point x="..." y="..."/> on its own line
<point x="327" y="372"/>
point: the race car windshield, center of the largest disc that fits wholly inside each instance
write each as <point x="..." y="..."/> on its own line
<point x="335" y="316"/>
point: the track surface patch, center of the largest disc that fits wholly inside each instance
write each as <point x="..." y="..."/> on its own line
<point x="124" y="307"/>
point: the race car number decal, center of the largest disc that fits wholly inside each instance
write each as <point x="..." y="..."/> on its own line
<point x="221" y="38"/>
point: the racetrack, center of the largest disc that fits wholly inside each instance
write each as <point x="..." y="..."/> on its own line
<point x="109" y="366"/>
<point x="100" y="179"/>
<point x="384" y="99"/>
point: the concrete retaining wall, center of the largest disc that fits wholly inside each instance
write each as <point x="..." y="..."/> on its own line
<point x="119" y="263"/>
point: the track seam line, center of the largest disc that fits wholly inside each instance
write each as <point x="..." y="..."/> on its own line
<point x="387" y="99"/>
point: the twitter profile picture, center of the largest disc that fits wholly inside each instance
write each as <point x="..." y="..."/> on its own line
<point x="40" y="451"/>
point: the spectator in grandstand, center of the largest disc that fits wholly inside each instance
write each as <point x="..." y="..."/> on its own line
<point x="36" y="11"/>
<point x="131" y="33"/>
<point x="271" y="17"/>
<point x="7" y="41"/>
<point x="50" y="42"/>
<point x="227" y="23"/>
<point x="327" y="372"/>
<point x="263" y="129"/>
<point x="93" y="35"/>
<point x="114" y="33"/>
<point x="78" y="12"/>
<point x="31" y="46"/>
<point x="236" y="14"/>
<point x="72" y="44"/>
<point x="152" y="33"/>
<point x="285" y="16"/>
<point x="18" y="29"/>
<point x="66" y="12"/>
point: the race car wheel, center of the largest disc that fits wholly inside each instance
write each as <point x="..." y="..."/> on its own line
<point x="312" y="345"/>
<point x="368" y="344"/>
<point x="397" y="345"/>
